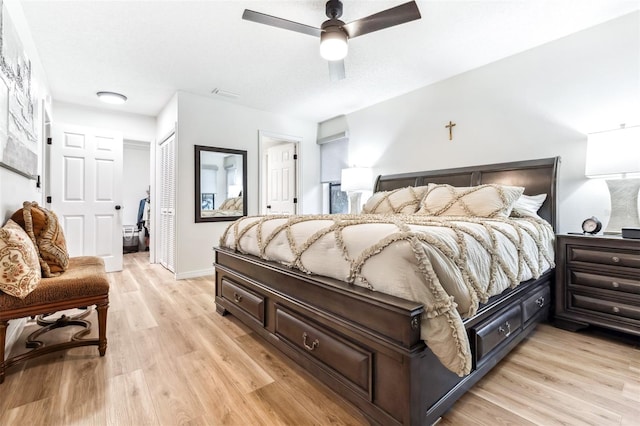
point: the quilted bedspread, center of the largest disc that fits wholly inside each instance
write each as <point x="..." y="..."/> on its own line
<point x="450" y="264"/>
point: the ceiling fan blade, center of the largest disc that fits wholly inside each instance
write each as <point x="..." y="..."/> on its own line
<point x="336" y="70"/>
<point x="401" y="14"/>
<point x="261" y="18"/>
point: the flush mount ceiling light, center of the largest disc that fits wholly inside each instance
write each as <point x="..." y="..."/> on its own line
<point x="111" y="97"/>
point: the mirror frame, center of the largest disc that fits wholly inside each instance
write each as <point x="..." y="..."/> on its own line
<point x="197" y="193"/>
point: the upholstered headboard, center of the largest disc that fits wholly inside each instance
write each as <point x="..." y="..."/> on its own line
<point x="536" y="176"/>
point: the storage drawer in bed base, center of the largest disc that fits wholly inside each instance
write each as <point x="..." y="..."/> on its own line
<point x="536" y="305"/>
<point x="497" y="331"/>
<point x="336" y="354"/>
<point x="240" y="297"/>
<point x="341" y="336"/>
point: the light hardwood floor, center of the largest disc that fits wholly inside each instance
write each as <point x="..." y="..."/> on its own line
<point x="172" y="360"/>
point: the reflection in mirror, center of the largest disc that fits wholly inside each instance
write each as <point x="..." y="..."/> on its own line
<point x="220" y="184"/>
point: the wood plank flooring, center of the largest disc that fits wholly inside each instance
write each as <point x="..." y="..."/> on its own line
<point x="171" y="360"/>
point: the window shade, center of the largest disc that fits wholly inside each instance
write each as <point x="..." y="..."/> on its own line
<point x="333" y="158"/>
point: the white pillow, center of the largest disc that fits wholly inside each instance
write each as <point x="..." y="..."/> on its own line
<point x="490" y="200"/>
<point x="528" y="205"/>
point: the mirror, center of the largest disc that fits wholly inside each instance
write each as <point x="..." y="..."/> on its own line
<point x="220" y="184"/>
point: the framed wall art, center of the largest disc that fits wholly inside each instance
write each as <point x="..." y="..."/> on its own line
<point x="18" y="105"/>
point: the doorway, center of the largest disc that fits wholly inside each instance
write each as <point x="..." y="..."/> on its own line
<point x="136" y="194"/>
<point x="279" y="158"/>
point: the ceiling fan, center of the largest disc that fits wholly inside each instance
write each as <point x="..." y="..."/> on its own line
<point x="334" y="33"/>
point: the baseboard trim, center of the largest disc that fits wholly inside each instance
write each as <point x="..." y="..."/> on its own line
<point x="13" y="332"/>
<point x="195" y="274"/>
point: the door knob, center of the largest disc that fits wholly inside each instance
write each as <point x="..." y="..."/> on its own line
<point x="118" y="207"/>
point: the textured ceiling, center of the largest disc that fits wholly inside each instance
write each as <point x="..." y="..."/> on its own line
<point x="148" y="50"/>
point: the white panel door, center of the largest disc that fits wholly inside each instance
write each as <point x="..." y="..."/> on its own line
<point x="86" y="190"/>
<point x="281" y="179"/>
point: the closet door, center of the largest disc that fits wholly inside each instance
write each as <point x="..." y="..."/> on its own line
<point x="167" y="228"/>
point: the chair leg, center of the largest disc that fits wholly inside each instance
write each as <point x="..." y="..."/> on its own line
<point x="3" y="335"/>
<point x="102" y="327"/>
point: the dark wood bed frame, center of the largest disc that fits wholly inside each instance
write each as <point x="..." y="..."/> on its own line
<point x="366" y="345"/>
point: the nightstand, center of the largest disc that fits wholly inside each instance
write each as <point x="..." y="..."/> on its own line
<point x="597" y="283"/>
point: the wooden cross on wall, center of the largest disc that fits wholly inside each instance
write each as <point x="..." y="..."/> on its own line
<point x="450" y="127"/>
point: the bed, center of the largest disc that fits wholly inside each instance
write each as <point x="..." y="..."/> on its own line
<point x="369" y="346"/>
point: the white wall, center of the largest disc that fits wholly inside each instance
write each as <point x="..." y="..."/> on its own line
<point x="206" y="121"/>
<point x="135" y="127"/>
<point x="166" y="120"/>
<point x="537" y="104"/>
<point x="15" y="188"/>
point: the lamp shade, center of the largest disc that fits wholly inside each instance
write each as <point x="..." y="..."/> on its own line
<point x="356" y="179"/>
<point x="614" y="153"/>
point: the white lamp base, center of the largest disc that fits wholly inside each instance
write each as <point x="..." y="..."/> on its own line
<point x="354" y="202"/>
<point x="624" y="204"/>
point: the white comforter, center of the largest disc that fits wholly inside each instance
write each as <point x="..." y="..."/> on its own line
<point x="450" y="264"/>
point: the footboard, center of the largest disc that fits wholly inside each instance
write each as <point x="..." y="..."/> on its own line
<point x="366" y="345"/>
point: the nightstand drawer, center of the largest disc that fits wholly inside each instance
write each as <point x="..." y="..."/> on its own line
<point x="605" y="306"/>
<point x="626" y="259"/>
<point x="588" y="279"/>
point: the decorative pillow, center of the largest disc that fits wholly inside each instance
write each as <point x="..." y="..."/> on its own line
<point x="231" y="204"/>
<point x="402" y="200"/>
<point x="19" y="264"/>
<point x="528" y="205"/>
<point x="490" y="200"/>
<point x="44" y="229"/>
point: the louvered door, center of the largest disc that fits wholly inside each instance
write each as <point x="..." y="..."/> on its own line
<point x="167" y="226"/>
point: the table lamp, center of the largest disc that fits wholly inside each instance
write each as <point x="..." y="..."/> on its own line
<point x="614" y="155"/>
<point x="354" y="181"/>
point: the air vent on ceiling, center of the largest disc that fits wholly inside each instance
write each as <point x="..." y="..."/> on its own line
<point x="225" y="93"/>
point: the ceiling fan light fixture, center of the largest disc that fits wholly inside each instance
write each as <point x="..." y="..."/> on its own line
<point x="334" y="33"/>
<point x="111" y="97"/>
<point x="333" y="44"/>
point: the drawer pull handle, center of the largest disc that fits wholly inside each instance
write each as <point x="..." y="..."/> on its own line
<point x="615" y="284"/>
<point x="506" y="332"/>
<point x="314" y="344"/>
<point x="616" y="309"/>
<point x="615" y="259"/>
<point x="540" y="301"/>
<point x="237" y="297"/>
